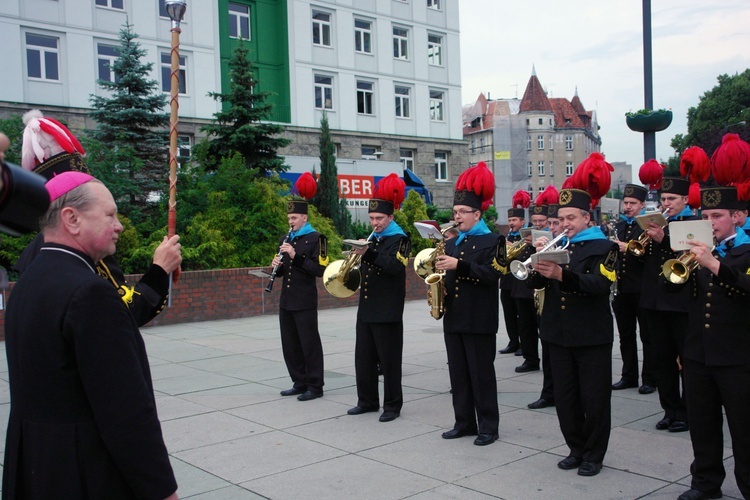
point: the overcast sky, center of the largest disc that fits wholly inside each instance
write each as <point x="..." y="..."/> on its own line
<point x="597" y="46"/>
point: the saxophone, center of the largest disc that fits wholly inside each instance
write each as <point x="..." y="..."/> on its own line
<point x="436" y="281"/>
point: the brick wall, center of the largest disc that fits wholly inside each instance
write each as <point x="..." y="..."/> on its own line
<point x="235" y="293"/>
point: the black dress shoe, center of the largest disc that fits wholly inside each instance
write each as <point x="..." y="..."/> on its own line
<point x="509" y="349"/>
<point x="485" y="439"/>
<point x="678" y="426"/>
<point x="457" y="433"/>
<point x="570" y="463"/>
<point x="387" y="416"/>
<point x="519" y="352"/>
<point x="292" y="392"/>
<point x="693" y="494"/>
<point x="527" y="366"/>
<point x="646" y="389"/>
<point x="308" y="395"/>
<point x="623" y="384"/>
<point x="540" y="403"/>
<point x="359" y="410"/>
<point x="589" y="468"/>
<point x="664" y="423"/>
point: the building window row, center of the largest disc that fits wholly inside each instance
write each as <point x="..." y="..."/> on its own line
<point x="323" y="97"/>
<point x="322" y="26"/>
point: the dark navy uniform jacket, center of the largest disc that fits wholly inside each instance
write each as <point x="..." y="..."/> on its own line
<point x="576" y="310"/>
<point x="299" y="290"/>
<point x="383" y="288"/>
<point x="471" y="305"/>
<point x="629" y="267"/>
<point x="719" y="333"/>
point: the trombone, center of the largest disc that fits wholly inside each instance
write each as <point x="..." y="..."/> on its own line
<point x="342" y="277"/>
<point x="637" y="247"/>
<point x="521" y="269"/>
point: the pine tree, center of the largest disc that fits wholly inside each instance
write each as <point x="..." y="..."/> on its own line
<point x="237" y="128"/>
<point x="129" y="149"/>
<point x="327" y="200"/>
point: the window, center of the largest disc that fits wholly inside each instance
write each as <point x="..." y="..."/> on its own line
<point x="166" y="72"/>
<point x="42" y="57"/>
<point x="435" y="50"/>
<point x="529" y="169"/>
<point x="441" y="166"/>
<point x="540" y="167"/>
<point x="551" y="142"/>
<point x="163" y="9"/>
<point x="400" y="43"/>
<point x="540" y="142"/>
<point x="433" y="4"/>
<point x="568" y="143"/>
<point x="364" y="98"/>
<point x="402" y="101"/>
<point x="407" y="159"/>
<point x="552" y="169"/>
<point x="369" y="152"/>
<point x="239" y="21"/>
<point x="184" y="149"/>
<point x="112" y="4"/>
<point x="481" y="143"/>
<point x="568" y="168"/>
<point x="321" y="29"/>
<point x="106" y="55"/>
<point x="323" y="92"/>
<point x="528" y="143"/>
<point x="436" y="105"/>
<point x="541" y="121"/>
<point x="363" y="36"/>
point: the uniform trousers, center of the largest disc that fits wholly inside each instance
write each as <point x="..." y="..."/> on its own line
<point x="302" y="349"/>
<point x="548" y="391"/>
<point x="628" y="314"/>
<point x="707" y="389"/>
<point x="471" y="358"/>
<point x="667" y="330"/>
<point x="583" y="389"/>
<point x="527" y="330"/>
<point x="379" y="343"/>
<point x="510" y="314"/>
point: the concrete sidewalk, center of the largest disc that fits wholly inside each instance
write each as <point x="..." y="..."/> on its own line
<point x="231" y="436"/>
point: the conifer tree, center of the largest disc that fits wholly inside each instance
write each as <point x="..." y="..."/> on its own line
<point x="327" y="199"/>
<point x="237" y="128"/>
<point x="129" y="148"/>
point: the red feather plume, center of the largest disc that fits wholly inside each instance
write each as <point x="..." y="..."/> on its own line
<point x="694" y="195"/>
<point x="521" y="199"/>
<point x="391" y="188"/>
<point x="480" y="181"/>
<point x="694" y="165"/>
<point x="305" y="186"/>
<point x="743" y="191"/>
<point x="550" y="196"/>
<point x="731" y="161"/>
<point x="651" y="174"/>
<point x="593" y="175"/>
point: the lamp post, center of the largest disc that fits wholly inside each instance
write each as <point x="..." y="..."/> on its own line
<point x="175" y="11"/>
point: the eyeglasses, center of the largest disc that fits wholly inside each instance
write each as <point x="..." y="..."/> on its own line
<point x="463" y="212"/>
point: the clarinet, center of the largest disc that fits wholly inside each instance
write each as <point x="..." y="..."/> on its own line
<point x="269" y="288"/>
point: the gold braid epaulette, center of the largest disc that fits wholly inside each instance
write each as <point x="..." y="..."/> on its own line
<point x="126" y="293"/>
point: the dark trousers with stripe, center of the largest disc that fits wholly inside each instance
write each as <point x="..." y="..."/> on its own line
<point x="379" y="343"/>
<point x="302" y="349"/>
<point x="667" y="330"/>
<point x="510" y="314"/>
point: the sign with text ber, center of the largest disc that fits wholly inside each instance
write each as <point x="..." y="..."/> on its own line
<point x="356" y="188"/>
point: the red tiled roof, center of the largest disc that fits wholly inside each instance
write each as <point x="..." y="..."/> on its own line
<point x="565" y="115"/>
<point x="534" y="98"/>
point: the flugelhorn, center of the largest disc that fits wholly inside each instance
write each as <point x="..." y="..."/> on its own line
<point x="638" y="246"/>
<point x="515" y="249"/>
<point x="342" y="277"/>
<point x="521" y="269"/>
<point x="678" y="270"/>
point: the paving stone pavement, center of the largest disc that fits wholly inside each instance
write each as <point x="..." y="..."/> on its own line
<point x="232" y="436"/>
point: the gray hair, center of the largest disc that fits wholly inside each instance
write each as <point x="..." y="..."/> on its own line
<point x="79" y="198"/>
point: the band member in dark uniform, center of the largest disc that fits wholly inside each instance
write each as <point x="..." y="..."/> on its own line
<point x="472" y="262"/>
<point x="666" y="306"/>
<point x="83" y="420"/>
<point x="380" y="326"/>
<point x="716" y="360"/>
<point x="576" y="323"/>
<point x="303" y="258"/>
<point x="49" y="149"/>
<point x="516" y="221"/>
<point x="626" y="304"/>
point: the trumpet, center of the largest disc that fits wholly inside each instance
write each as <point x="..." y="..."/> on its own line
<point x="521" y="269"/>
<point x="342" y="277"/>
<point x="638" y="247"/>
<point x="678" y="270"/>
<point x="269" y="288"/>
